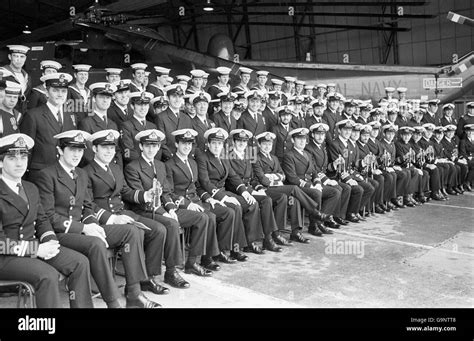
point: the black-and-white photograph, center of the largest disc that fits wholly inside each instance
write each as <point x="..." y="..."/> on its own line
<point x="237" y="154"/>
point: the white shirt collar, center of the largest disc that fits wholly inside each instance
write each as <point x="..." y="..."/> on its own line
<point x="12" y="184"/>
<point x="146" y="159"/>
<point x="101" y="164"/>
<point x="53" y="108"/>
<point x="184" y="160"/>
<point x="66" y="168"/>
<point x="343" y="141"/>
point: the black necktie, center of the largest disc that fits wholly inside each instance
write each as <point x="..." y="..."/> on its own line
<point x="109" y="171"/>
<point x="125" y="111"/>
<point x="21" y="192"/>
<point x="153" y="167"/>
<point x="74" y="174"/>
<point x="60" y="118"/>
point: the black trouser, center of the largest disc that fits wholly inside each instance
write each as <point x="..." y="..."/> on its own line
<point x="331" y="195"/>
<point x="355" y="200"/>
<point x="368" y="192"/>
<point x="127" y="237"/>
<point x="251" y="220"/>
<point x="43" y="275"/>
<point x="390" y="187"/>
<point x="403" y="180"/>
<point x="435" y="178"/>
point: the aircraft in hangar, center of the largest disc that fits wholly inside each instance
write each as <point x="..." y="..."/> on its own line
<point x="112" y="38"/>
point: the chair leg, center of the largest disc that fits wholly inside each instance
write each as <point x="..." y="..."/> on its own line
<point x="183" y="247"/>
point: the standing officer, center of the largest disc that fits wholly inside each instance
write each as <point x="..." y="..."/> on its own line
<point x="140" y="102"/>
<point x="245" y="73"/>
<point x="262" y="77"/>
<point x="300" y="171"/>
<point x="172" y="119"/>
<point x="251" y="119"/>
<point x="140" y="175"/>
<point x="68" y="205"/>
<point x="466" y="150"/>
<point x="201" y="123"/>
<point x="47" y="120"/>
<point x="466" y="119"/>
<point x="9" y="116"/>
<point x="79" y="95"/>
<point x="221" y="86"/>
<point x="330" y="115"/>
<point x="97" y="120"/>
<point x="32" y="251"/>
<point x="270" y="113"/>
<point x="38" y="93"/>
<point x="196" y="82"/>
<point x="138" y="77"/>
<point x="120" y="110"/>
<point x="157" y="88"/>
<point x="283" y="141"/>
<point x="224" y="118"/>
<point x="17" y="57"/>
<point x="112" y="75"/>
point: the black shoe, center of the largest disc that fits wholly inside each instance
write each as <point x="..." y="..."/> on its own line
<point x="174" y="279"/>
<point x="254" y="248"/>
<point x="323" y="229"/>
<point x="444" y="192"/>
<point x="438" y="197"/>
<point x="451" y="192"/>
<point x="280" y="240"/>
<point x="352" y="218"/>
<point x="237" y="255"/>
<point x="152" y="286"/>
<point x="322" y="216"/>
<point x="297" y="236"/>
<point x="270" y="245"/>
<point x="332" y="224"/>
<point x="209" y="264"/>
<point x="224" y="258"/>
<point x="457" y="190"/>
<point x="314" y="231"/>
<point x="141" y="302"/>
<point x="421" y="199"/>
<point x="398" y="204"/>
<point x="197" y="270"/>
<point x="467" y="187"/>
<point x="361" y="218"/>
<point x="408" y="203"/>
<point x="341" y="221"/>
<point x="379" y="209"/>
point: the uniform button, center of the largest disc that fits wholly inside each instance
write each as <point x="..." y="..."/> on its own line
<point x="21" y="235"/>
<point x="21" y="228"/>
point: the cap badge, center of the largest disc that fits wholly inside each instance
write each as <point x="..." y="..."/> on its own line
<point x="79" y="138"/>
<point x="188" y="134"/>
<point x="153" y="136"/>
<point x="20" y="142"/>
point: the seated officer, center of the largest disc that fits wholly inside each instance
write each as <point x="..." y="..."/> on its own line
<point x="466" y="150"/>
<point x="31" y="251"/>
<point x="389" y="175"/>
<point x="269" y="173"/>
<point x="272" y="207"/>
<point x="450" y="143"/>
<point x="405" y="157"/>
<point x="317" y="149"/>
<point x="218" y="178"/>
<point x="97" y="120"/>
<point x="403" y="175"/>
<point x="342" y="156"/>
<point x="368" y="166"/>
<point x="356" y="166"/>
<point x="182" y="176"/>
<point x="283" y="142"/>
<point x="147" y="173"/>
<point x="300" y="171"/>
<point x="443" y="161"/>
<point x="67" y="203"/>
<point x="109" y="190"/>
<point x="140" y="102"/>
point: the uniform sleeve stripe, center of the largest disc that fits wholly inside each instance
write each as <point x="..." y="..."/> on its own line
<point x="135" y="196"/>
<point x="99" y="214"/>
<point x="89" y="216"/>
<point x="48" y="233"/>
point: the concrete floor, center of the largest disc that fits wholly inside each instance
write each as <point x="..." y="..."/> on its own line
<point x="415" y="257"/>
